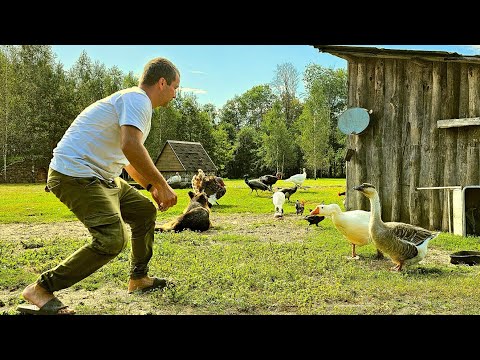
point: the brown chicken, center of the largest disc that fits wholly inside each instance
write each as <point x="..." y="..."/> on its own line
<point x="212" y="185"/>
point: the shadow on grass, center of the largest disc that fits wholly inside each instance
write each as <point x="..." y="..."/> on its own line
<point x="426" y="271"/>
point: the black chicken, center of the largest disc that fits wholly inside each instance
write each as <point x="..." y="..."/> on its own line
<point x="255" y="184"/>
<point x="289" y="191"/>
<point x="299" y="207"/>
<point x="269" y="180"/>
<point x="314" y="219"/>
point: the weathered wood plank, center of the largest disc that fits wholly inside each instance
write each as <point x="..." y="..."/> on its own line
<point x="462" y="134"/>
<point x="415" y="114"/>
<point x="351" y="168"/>
<point x="473" y="136"/>
<point x="441" y="68"/>
<point x="372" y="155"/>
<point x="428" y="158"/>
<point x="396" y="126"/>
<point x="449" y="123"/>
<point x="360" y="155"/>
<point x="449" y="111"/>
<point x="379" y="155"/>
<point x="436" y="158"/>
<point x="389" y="119"/>
<point x="404" y="132"/>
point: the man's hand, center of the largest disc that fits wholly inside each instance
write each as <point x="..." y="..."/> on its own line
<point x="165" y="197"/>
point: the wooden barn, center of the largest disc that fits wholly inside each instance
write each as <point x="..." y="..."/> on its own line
<point x="423" y="130"/>
<point x="184" y="157"/>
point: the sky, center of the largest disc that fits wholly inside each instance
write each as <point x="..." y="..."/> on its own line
<point x="217" y="73"/>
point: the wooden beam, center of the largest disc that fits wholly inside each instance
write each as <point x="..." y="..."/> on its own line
<point x="448" y="123"/>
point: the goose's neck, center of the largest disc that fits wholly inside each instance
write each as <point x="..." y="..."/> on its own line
<point x="335" y="210"/>
<point x="376" y="210"/>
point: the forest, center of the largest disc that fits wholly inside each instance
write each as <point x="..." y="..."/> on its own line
<point x="268" y="129"/>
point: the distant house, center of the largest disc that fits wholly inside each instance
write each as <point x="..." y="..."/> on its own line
<point x="185" y="158"/>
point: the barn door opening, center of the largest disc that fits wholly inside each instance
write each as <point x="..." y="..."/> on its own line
<point x="466" y="215"/>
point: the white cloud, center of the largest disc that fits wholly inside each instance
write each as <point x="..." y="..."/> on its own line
<point x="475" y="48"/>
<point x="193" y="90"/>
<point x="198" y="72"/>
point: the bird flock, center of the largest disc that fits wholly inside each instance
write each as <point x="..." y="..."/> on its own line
<point x="404" y="244"/>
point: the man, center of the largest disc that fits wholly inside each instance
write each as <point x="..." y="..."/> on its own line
<point x="84" y="174"/>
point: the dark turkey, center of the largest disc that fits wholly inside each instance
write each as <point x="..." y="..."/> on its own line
<point x="255" y="184"/>
<point x="269" y="180"/>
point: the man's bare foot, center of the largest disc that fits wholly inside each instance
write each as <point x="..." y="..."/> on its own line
<point x="39" y="296"/>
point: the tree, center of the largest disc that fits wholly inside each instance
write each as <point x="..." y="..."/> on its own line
<point x="221" y="152"/>
<point x="4" y="94"/>
<point x="166" y="123"/>
<point x="333" y="86"/>
<point x="245" y="153"/>
<point x="285" y="83"/>
<point x="277" y="145"/>
<point x="234" y="113"/>
<point x="129" y="80"/>
<point x="256" y="102"/>
<point x="38" y="87"/>
<point x="313" y="126"/>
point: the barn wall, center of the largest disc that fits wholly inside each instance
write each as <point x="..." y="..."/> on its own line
<point x="402" y="148"/>
<point x="168" y="161"/>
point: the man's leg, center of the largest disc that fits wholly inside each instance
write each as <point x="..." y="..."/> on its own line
<point x="140" y="213"/>
<point x="97" y="206"/>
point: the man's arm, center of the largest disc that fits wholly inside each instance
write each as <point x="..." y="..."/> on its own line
<point x="135" y="175"/>
<point x="142" y="169"/>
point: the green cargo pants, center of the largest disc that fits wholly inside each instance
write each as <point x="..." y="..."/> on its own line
<point x="104" y="208"/>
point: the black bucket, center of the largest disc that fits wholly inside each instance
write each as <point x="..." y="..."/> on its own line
<point x="465" y="257"/>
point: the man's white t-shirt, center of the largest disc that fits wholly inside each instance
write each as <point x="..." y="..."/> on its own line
<point x="91" y="145"/>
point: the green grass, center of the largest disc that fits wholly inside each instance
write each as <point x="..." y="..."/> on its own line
<point x="249" y="263"/>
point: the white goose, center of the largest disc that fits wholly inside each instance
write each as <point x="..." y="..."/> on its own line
<point x="406" y="244"/>
<point x="353" y="225"/>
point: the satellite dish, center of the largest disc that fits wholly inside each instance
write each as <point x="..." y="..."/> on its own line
<point x="353" y="121"/>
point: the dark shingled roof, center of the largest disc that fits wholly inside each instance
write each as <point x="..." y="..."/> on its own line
<point x="191" y="155"/>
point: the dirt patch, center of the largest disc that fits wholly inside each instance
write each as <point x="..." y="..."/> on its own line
<point x="29" y="232"/>
<point x="263" y="226"/>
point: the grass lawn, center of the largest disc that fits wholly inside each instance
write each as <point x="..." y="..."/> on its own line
<point x="248" y="263"/>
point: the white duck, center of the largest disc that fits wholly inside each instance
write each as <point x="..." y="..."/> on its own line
<point x="298" y="179"/>
<point x="406" y="244"/>
<point x="278" y="201"/>
<point x="353" y="225"/>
